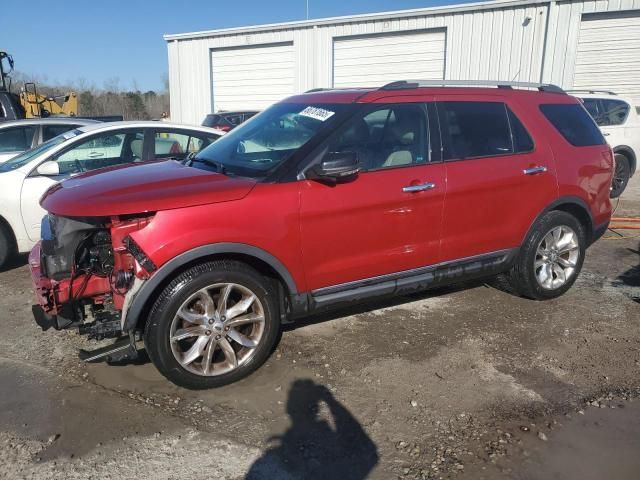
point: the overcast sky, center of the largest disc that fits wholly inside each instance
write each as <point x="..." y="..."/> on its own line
<point x="63" y="41"/>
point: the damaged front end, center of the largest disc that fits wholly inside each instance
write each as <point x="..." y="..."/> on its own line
<point x="86" y="271"/>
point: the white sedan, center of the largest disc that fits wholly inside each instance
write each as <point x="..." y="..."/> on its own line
<point x="25" y="178"/>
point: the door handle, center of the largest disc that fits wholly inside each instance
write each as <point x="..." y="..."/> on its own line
<point x="534" y="170"/>
<point x="606" y="134"/>
<point x="418" y="188"/>
<point x="96" y="155"/>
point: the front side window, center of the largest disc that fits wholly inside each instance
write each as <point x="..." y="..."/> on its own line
<point x="386" y="137"/>
<point x="474" y="129"/>
<point x="234" y="120"/>
<point x="103" y="150"/>
<point x="211" y="120"/>
<point x="16" y="139"/>
<point x="255" y="148"/>
<point x="574" y="124"/>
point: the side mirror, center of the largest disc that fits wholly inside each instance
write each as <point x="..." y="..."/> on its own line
<point x="336" y="167"/>
<point x="48" y="169"/>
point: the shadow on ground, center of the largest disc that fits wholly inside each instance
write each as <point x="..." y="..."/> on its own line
<point x="631" y="277"/>
<point x="319" y="444"/>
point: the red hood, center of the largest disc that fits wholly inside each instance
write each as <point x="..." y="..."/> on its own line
<point x="141" y="188"/>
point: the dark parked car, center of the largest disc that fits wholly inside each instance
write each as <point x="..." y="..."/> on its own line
<point x="226" y="121"/>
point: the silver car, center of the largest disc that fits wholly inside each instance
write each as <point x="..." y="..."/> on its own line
<point x="21" y="135"/>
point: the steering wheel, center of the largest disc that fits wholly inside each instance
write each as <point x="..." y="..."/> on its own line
<point x="79" y="166"/>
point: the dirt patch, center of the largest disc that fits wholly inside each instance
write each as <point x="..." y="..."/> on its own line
<point x="437" y="385"/>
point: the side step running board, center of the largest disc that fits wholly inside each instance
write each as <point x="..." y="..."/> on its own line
<point x="121" y="350"/>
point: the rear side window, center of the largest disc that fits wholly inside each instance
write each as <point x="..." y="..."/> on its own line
<point x="474" y="129"/>
<point x="522" y="141"/>
<point x="574" y="124"/>
<point x="16" y="139"/>
<point x="50" y="131"/>
<point x="234" y="120"/>
<point x="614" y="112"/>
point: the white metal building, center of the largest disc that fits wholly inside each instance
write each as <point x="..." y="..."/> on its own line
<point x="572" y="43"/>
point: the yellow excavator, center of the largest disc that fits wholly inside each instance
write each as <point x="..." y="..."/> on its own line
<point x="28" y="103"/>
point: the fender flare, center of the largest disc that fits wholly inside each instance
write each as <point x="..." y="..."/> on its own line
<point x="627" y="151"/>
<point x="565" y="200"/>
<point x="168" y="269"/>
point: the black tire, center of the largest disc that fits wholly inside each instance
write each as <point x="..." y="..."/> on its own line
<point x="157" y="331"/>
<point x="522" y="276"/>
<point x="621" y="175"/>
<point x="8" y="249"/>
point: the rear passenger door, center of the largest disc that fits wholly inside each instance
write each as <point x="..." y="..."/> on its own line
<point x="498" y="178"/>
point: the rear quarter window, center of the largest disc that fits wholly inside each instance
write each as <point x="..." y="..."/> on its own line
<point x="574" y="124"/>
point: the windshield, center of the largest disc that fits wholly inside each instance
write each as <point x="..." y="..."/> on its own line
<point x="261" y="144"/>
<point x="25" y="157"/>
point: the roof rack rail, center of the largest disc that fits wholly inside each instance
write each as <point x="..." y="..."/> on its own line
<point x="402" y="84"/>
<point x="321" y="89"/>
<point x="589" y="90"/>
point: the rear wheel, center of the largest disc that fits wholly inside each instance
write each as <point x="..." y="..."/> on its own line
<point x="213" y="325"/>
<point x="621" y="175"/>
<point x="551" y="257"/>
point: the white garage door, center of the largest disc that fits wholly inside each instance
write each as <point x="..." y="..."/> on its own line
<point x="375" y="60"/>
<point x="609" y="54"/>
<point x="252" y="77"/>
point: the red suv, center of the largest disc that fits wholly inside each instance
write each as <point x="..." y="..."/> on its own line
<point x="324" y="199"/>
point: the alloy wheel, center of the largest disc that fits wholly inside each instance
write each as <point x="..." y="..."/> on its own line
<point x="557" y="257"/>
<point x="217" y="329"/>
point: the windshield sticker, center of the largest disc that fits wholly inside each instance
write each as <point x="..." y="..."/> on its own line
<point x="317" y="113"/>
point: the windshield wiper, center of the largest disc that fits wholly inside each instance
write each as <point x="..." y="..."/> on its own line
<point x="220" y="168"/>
<point x="188" y="160"/>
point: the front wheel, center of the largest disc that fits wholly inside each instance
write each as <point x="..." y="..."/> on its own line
<point x="213" y="325"/>
<point x="551" y="257"/>
<point x="7" y="246"/>
<point x="621" y="175"/>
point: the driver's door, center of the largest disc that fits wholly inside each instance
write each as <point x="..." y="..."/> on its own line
<point x="106" y="149"/>
<point x="388" y="219"/>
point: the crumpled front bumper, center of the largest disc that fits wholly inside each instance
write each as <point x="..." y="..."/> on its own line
<point x="41" y="288"/>
<point x="41" y="284"/>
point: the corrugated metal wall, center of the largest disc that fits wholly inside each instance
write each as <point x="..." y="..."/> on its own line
<point x="535" y="41"/>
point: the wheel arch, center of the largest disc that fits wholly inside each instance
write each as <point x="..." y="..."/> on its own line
<point x="6" y="226"/>
<point x="574" y="206"/>
<point x="255" y="257"/>
<point x="628" y="152"/>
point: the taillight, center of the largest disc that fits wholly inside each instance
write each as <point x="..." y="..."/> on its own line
<point x="609" y="159"/>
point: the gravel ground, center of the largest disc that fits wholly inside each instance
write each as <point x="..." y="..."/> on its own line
<point x="464" y="382"/>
